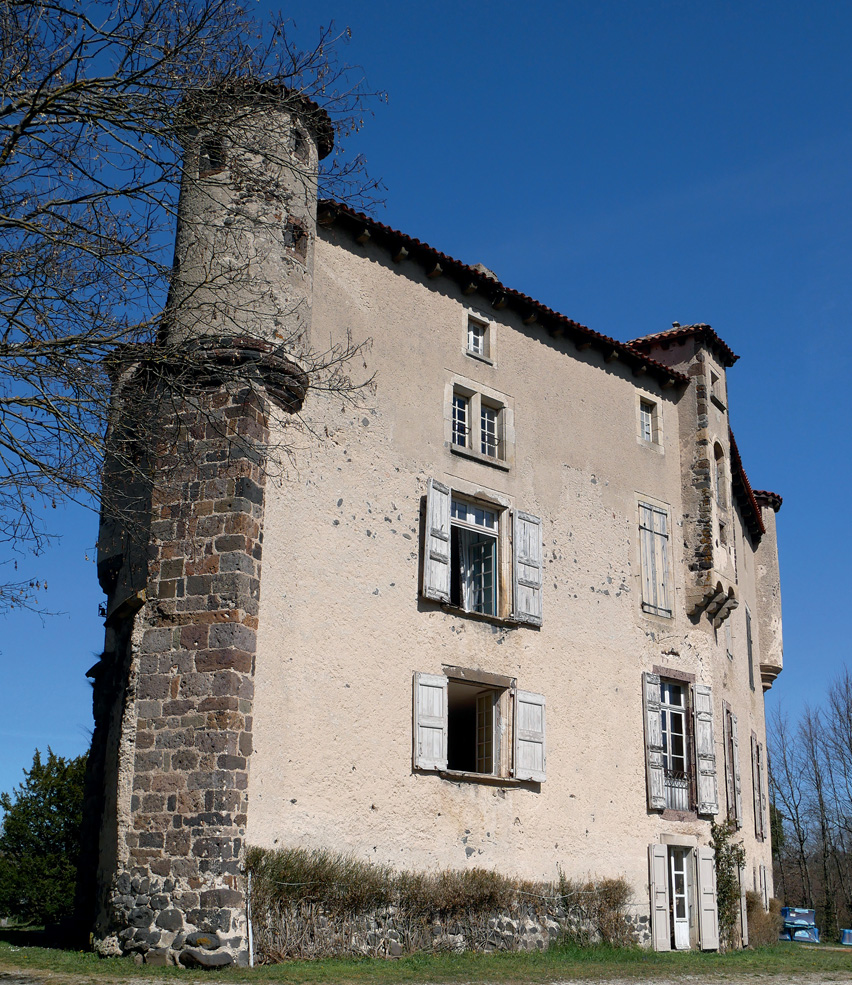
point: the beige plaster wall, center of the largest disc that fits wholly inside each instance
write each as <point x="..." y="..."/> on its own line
<point x="343" y="628"/>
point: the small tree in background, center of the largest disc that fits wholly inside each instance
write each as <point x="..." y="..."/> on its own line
<point x="40" y="840"/>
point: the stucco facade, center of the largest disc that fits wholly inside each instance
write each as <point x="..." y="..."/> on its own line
<point x="518" y="603"/>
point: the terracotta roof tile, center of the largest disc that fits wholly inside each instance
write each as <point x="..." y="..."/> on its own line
<point x="743" y="490"/>
<point x="766" y="497"/>
<point x="677" y="332"/>
<point x="474" y="279"/>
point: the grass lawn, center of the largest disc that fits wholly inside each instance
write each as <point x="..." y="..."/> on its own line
<point x="556" y="964"/>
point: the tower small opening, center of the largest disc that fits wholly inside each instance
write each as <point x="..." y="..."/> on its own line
<point x="301" y="147"/>
<point x="211" y="157"/>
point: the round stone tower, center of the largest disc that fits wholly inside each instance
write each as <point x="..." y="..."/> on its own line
<point x="180" y="546"/>
<point x="246" y="227"/>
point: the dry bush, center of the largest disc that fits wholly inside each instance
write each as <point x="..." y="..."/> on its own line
<point x="596" y="911"/>
<point x="763" y="927"/>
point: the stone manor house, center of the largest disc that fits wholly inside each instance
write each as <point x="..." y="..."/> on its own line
<point x="515" y="606"/>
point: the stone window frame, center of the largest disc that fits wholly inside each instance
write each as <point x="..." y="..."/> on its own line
<point x="657" y="441"/>
<point x="478" y="397"/>
<point x="489" y="336"/>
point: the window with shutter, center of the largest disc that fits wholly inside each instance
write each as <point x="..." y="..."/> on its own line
<point x="708" y="914"/>
<point x="430" y="721"/>
<point x="749" y="649"/>
<point x="462" y="556"/>
<point x="478" y="727"/>
<point x="732" y="769"/>
<point x="654" y="557"/>
<point x="758" y="794"/>
<point x="764" y="887"/>
<point x="530" y="749"/>
<point x="527" y="568"/>
<point x="655" y="767"/>
<point x="743" y="908"/>
<point x="659" y="883"/>
<point x="705" y="750"/>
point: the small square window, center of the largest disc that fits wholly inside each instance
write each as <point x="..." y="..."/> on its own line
<point x="478" y="341"/>
<point x="717" y="389"/>
<point x="211" y="156"/>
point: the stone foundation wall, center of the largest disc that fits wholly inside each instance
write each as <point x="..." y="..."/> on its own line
<point x="309" y="932"/>
<point x="169" y="867"/>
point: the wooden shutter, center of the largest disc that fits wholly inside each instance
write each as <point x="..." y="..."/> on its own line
<point x="743" y="909"/>
<point x="530" y="748"/>
<point x="729" y="762"/>
<point x="764" y="887"/>
<point x="655" y="772"/>
<point x="654" y="555"/>
<point x="708" y="915"/>
<point x="756" y="788"/>
<point x="436" y="552"/>
<point x="735" y="765"/>
<point x="430" y="721"/>
<point x="761" y="778"/>
<point x="705" y="749"/>
<point x="527" y="567"/>
<point x="659" y="882"/>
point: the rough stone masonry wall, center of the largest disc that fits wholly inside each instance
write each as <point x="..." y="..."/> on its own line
<point x="177" y="893"/>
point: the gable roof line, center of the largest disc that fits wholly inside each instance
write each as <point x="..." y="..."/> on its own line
<point x="473" y="280"/>
<point x="743" y="490"/>
<point x="701" y="330"/>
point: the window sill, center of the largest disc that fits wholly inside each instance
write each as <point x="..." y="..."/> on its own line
<point x="479" y="358"/>
<point x="479" y="616"/>
<point x="654" y="446"/>
<point x="669" y="814"/>
<point x="458" y="776"/>
<point x="479" y="457"/>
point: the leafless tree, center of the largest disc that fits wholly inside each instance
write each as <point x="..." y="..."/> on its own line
<point x="91" y="128"/>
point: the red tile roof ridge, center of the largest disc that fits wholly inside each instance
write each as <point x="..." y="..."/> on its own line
<point x="729" y="357"/>
<point x="497" y="287"/>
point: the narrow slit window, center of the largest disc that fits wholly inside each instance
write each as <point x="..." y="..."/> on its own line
<point x="461" y="416"/>
<point x="647" y="421"/>
<point x="211" y="156"/>
<point x="488" y="431"/>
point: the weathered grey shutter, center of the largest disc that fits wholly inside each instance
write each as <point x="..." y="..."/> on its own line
<point x="646" y="554"/>
<point x="708" y="914"/>
<point x="430" y="721"/>
<point x="661" y="548"/>
<point x="729" y="762"/>
<point x="436" y="553"/>
<point x="764" y="887"/>
<point x="705" y="749"/>
<point x="530" y="747"/>
<point x="659" y="882"/>
<point x="735" y="757"/>
<point x="654" y="742"/>
<point x="527" y="568"/>
<point x="755" y="789"/>
<point x="743" y="909"/>
<point x="764" y="813"/>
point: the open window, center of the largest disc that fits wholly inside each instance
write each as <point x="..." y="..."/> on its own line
<point x="466" y="541"/>
<point x="680" y="750"/>
<point x="478" y="725"/>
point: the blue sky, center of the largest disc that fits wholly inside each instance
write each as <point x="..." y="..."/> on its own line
<point x="628" y="164"/>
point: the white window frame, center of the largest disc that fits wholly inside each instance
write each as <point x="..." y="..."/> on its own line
<point x="649" y="422"/>
<point x="479" y="336"/>
<point x="655" y="568"/>
<point x="474" y="527"/>
<point x="508" y="737"/>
